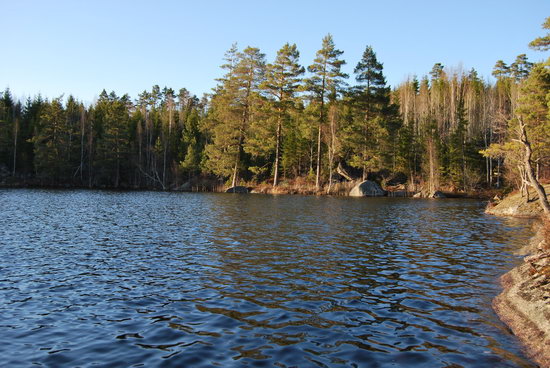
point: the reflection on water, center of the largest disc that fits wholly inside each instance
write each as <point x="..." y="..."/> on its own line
<point x="206" y="280"/>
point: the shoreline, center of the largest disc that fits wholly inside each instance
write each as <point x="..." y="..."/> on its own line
<point x="524" y="303"/>
<point x="339" y="190"/>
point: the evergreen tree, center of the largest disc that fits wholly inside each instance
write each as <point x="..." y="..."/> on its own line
<point x="326" y="78"/>
<point x="520" y="68"/>
<point x="29" y="122"/>
<point x="542" y="43"/>
<point x="283" y="79"/>
<point x="7" y="125"/>
<point x="51" y="142"/>
<point x="112" y="120"/>
<point x="192" y="141"/>
<point x="73" y="130"/>
<point x="437" y="71"/>
<point x="168" y="139"/>
<point x="372" y="137"/>
<point x="501" y="70"/>
<point x="533" y="109"/>
<point x="232" y="109"/>
<point x="457" y="148"/>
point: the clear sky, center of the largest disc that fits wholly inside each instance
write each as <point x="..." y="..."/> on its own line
<point x="81" y="47"/>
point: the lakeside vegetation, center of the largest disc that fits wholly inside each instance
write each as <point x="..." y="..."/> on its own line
<point x="279" y="122"/>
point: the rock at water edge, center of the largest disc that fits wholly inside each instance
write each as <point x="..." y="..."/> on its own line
<point x="237" y="189"/>
<point x="438" y="194"/>
<point x="367" y="188"/>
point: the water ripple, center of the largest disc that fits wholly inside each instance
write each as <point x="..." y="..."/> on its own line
<point x="162" y="279"/>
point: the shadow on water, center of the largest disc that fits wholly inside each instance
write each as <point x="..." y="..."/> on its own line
<point x="172" y="279"/>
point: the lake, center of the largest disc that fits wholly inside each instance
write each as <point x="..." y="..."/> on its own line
<point x="98" y="278"/>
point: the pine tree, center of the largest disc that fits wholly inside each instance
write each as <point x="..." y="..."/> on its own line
<point x="168" y="106"/>
<point x="520" y="68"/>
<point x="542" y="43"/>
<point x="534" y="111"/>
<point x="501" y="70"/>
<point x="283" y="79"/>
<point x="326" y="77"/>
<point x="232" y="109"/>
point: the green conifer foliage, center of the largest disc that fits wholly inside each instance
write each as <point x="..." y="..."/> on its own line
<point x="326" y="78"/>
<point x="283" y="79"/>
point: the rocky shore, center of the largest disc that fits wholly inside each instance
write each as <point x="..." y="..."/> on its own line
<point x="524" y="304"/>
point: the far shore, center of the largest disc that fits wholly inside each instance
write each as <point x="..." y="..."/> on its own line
<point x="338" y="189"/>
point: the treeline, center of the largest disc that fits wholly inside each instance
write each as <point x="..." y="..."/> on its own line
<point x="149" y="143"/>
<point x="280" y="122"/>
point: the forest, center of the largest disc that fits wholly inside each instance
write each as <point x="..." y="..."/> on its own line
<point x="280" y="122"/>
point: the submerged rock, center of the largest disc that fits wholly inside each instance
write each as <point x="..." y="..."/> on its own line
<point x="237" y="189"/>
<point x="367" y="188"/>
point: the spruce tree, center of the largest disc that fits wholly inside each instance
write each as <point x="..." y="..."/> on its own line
<point x="7" y="123"/>
<point x="51" y="142"/>
<point x="193" y="143"/>
<point x="372" y="137"/>
<point x="112" y="148"/>
<point x="457" y="148"/>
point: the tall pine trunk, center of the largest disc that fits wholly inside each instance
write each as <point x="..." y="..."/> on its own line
<point x="277" y="151"/>
<point x="236" y="168"/>
<point x="318" y="171"/>
<point x="332" y="147"/>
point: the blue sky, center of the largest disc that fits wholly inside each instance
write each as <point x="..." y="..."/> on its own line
<point x="81" y="47"/>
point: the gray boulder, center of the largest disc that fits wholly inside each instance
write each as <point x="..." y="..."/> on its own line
<point x="237" y="189"/>
<point x="367" y="188"/>
<point x="185" y="187"/>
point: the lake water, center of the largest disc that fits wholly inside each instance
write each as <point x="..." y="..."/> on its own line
<point x="90" y="278"/>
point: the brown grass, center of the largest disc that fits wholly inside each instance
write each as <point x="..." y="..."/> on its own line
<point x="297" y="186"/>
<point x="342" y="188"/>
<point x="302" y="185"/>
